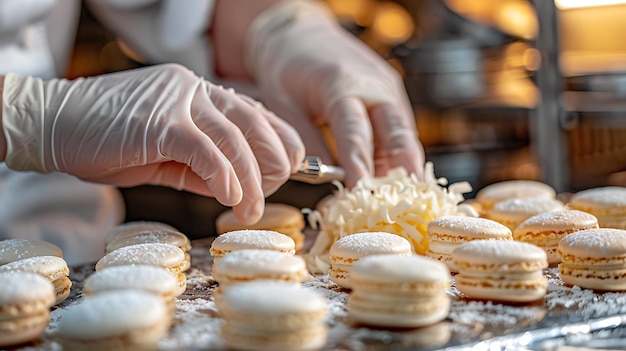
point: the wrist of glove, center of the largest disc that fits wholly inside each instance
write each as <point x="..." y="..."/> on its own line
<point x="312" y="73"/>
<point x="159" y="125"/>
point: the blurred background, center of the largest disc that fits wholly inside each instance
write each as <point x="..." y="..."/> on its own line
<point x="501" y="89"/>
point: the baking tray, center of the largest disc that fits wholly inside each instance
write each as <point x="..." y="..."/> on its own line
<point x="568" y="317"/>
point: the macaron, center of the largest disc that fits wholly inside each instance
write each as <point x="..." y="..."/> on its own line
<point x="350" y="249"/>
<point x="399" y="291"/>
<point x="514" y="211"/>
<point x="594" y="259"/>
<point x="501" y="270"/>
<point x="165" y="256"/>
<point x="491" y="194"/>
<point x="448" y="232"/>
<point x="547" y="229"/>
<point x="134" y="227"/>
<point x="25" y="301"/>
<point x="277" y="217"/>
<point x="254" y="264"/>
<point x="53" y="268"/>
<point x="251" y="239"/>
<point x="17" y="249"/>
<point x="607" y="203"/>
<point x="272" y="315"/>
<point x="156" y="280"/>
<point x="171" y="237"/>
<point x="114" y="320"/>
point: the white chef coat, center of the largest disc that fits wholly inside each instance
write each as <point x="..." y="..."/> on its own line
<point x="36" y="38"/>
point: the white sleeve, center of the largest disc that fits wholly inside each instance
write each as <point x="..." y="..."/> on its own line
<point x="161" y="31"/>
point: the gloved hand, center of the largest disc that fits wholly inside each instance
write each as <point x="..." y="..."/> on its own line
<point x="312" y="72"/>
<point x="160" y="125"/>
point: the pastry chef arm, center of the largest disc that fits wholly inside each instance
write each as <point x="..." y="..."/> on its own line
<point x="303" y="66"/>
<point x="312" y="72"/>
<point x="159" y="125"/>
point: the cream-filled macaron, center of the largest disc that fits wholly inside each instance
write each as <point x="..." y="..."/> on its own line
<point x="25" y="301"/>
<point x="448" y="232"/>
<point x="114" y="320"/>
<point x="501" y="270"/>
<point x="277" y="217"/>
<point x="251" y="239"/>
<point x="165" y="256"/>
<point x="175" y="238"/>
<point x="272" y="315"/>
<point x="17" y="249"/>
<point x="349" y="249"/>
<point x="513" y="189"/>
<point x="254" y="264"/>
<point x="399" y="291"/>
<point x="514" y="211"/>
<point x="53" y="268"/>
<point x="131" y="228"/>
<point x="607" y="203"/>
<point x="594" y="259"/>
<point x="156" y="280"/>
<point x="547" y="229"/>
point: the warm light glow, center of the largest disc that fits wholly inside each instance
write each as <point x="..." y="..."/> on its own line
<point x="359" y="11"/>
<point x="573" y="4"/>
<point x="517" y="18"/>
<point x="531" y="59"/>
<point x="392" y="23"/>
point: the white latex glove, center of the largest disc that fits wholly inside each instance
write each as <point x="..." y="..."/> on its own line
<point x="160" y="125"/>
<point x="312" y="72"/>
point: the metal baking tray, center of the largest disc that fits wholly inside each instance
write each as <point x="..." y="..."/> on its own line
<point x="567" y="318"/>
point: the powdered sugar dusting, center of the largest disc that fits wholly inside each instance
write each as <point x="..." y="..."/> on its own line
<point x="559" y="220"/>
<point x="468" y="226"/>
<point x="370" y="243"/>
<point x="595" y="242"/>
<point x="580" y="303"/>
<point x="516" y="189"/>
<point x="196" y="321"/>
<point x="254" y="239"/>
<point x="18" y="249"/>
<point x="158" y="254"/>
<point x="527" y="206"/>
<point x="154" y="236"/>
<point x="613" y="197"/>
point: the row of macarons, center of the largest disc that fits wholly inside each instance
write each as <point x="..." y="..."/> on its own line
<point x="265" y="303"/>
<point x="501" y="270"/>
<point x="512" y="202"/>
<point x="144" y="266"/>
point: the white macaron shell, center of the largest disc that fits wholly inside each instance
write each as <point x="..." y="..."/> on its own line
<point x="609" y="198"/>
<point x="156" y="254"/>
<point x="18" y="249"/>
<point x="253" y="239"/>
<point x="24" y="287"/>
<point x="369" y="243"/>
<point x="515" y="189"/>
<point x="272" y="298"/>
<point x="156" y="236"/>
<point x="131" y="228"/>
<point x="111" y="314"/>
<point x="595" y="243"/>
<point x="558" y="221"/>
<point x="51" y="267"/>
<point x="150" y="278"/>
<point x="470" y="227"/>
<point x="500" y="252"/>
<point x="400" y="269"/>
<point x="251" y="262"/>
